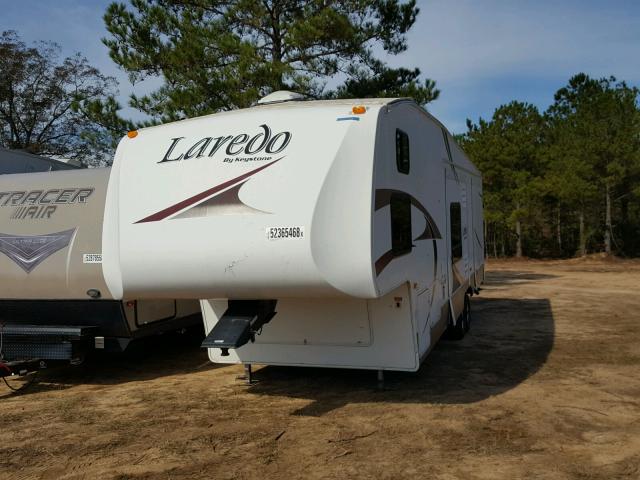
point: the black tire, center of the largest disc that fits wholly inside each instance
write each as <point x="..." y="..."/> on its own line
<point x="463" y="325"/>
<point x="457" y="331"/>
<point x="466" y="314"/>
<point x="460" y="329"/>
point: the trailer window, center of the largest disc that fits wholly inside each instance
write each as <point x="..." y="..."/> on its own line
<point x="456" y="231"/>
<point x="400" y="223"/>
<point x="402" y="151"/>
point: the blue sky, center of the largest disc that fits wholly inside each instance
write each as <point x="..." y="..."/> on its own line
<point x="481" y="53"/>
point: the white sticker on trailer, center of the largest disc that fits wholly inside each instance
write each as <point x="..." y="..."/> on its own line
<point x="92" y="258"/>
<point x="285" y="233"/>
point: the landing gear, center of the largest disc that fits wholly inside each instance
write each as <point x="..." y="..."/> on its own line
<point x="248" y="375"/>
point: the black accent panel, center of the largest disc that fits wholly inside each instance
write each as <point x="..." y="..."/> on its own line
<point x="239" y="324"/>
<point x="107" y="315"/>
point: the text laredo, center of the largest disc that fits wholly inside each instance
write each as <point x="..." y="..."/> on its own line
<point x="241" y="144"/>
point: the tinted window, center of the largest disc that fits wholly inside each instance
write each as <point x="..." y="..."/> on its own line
<point x="401" y="241"/>
<point x="456" y="231"/>
<point x="402" y="151"/>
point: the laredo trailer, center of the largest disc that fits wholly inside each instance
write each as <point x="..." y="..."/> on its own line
<point x="54" y="302"/>
<point x="332" y="235"/>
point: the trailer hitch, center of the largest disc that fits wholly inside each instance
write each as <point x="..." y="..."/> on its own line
<point x="20" y="368"/>
<point x="240" y="324"/>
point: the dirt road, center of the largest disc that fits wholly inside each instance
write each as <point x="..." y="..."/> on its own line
<point x="547" y="385"/>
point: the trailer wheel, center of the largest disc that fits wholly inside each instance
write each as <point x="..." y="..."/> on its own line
<point x="466" y="314"/>
<point x="463" y="324"/>
<point x="457" y="331"/>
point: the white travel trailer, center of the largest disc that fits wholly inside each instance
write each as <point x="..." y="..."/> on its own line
<point x="343" y="233"/>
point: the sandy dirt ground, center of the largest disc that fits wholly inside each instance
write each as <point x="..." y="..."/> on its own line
<point x="545" y="386"/>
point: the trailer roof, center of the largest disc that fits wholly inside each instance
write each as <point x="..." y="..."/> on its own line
<point x="309" y="104"/>
<point x="299" y="104"/>
<point x="19" y="161"/>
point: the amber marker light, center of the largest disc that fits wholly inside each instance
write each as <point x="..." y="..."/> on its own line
<point x="359" y="110"/>
<point x="132" y="134"/>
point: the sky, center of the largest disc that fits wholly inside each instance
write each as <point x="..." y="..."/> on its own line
<point x="481" y="53"/>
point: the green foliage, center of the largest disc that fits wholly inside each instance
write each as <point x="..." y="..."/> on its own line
<point x="383" y="82"/>
<point x="507" y="151"/>
<point x="554" y="172"/>
<point x="219" y="55"/>
<point x="108" y="127"/>
<point x="47" y="105"/>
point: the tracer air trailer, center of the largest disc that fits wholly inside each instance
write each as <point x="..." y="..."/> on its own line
<point x="54" y="301"/>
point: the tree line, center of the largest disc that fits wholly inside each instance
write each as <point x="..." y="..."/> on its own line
<point x="557" y="183"/>
<point x="565" y="181"/>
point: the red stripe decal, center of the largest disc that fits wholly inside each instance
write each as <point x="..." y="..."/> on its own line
<point x="167" y="212"/>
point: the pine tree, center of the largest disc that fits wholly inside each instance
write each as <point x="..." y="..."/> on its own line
<point x="507" y="151"/>
<point x="597" y="146"/>
<point x="219" y="55"/>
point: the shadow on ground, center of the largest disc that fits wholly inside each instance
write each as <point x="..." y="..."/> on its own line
<point x="508" y="277"/>
<point x="509" y="341"/>
<point x="171" y="353"/>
